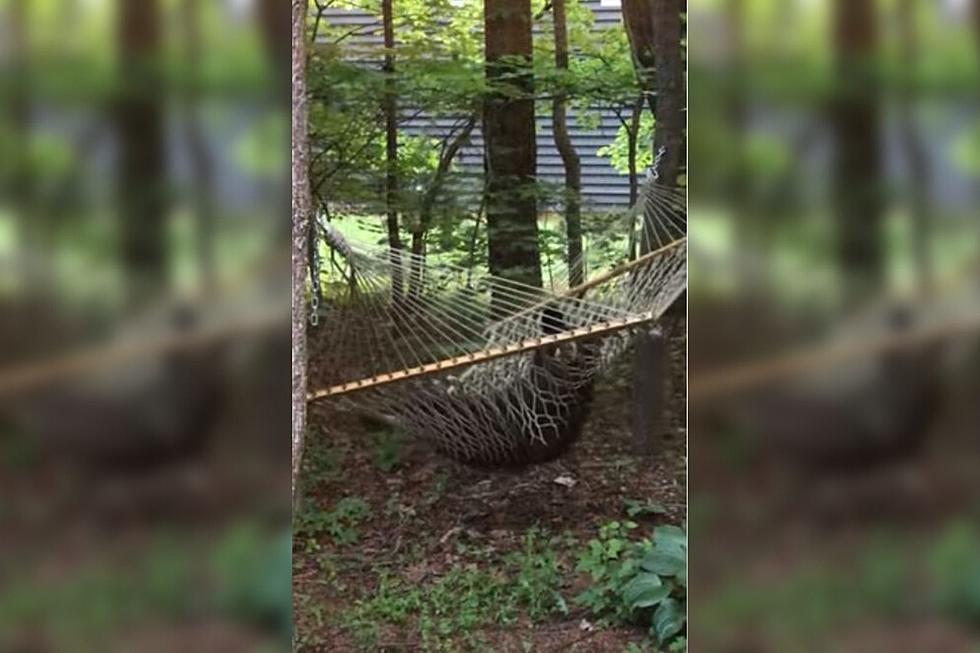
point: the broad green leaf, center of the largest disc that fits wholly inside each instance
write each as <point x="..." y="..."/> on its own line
<point x="664" y="563"/>
<point x="668" y="619"/>
<point x="644" y="591"/>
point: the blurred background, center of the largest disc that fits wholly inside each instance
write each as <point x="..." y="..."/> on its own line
<point x="144" y="348"/>
<point x="835" y="325"/>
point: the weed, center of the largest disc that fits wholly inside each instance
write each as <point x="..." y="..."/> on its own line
<point x="637" y="508"/>
<point x="321" y="463"/>
<point x="340" y="523"/>
<point x="386" y="449"/>
<point x="454" y="607"/>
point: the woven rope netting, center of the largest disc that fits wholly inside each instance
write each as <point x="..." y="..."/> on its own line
<point x="490" y="371"/>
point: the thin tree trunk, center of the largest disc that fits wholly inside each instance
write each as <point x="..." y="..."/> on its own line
<point x="200" y="158"/>
<point x="854" y="115"/>
<point x="391" y="149"/>
<point x="142" y="161"/>
<point x="18" y="115"/>
<point x="976" y="20"/>
<point x="301" y="209"/>
<point x="512" y="227"/>
<point x="569" y="157"/>
<point x="920" y="180"/>
<point x="427" y="205"/>
<point x="632" y="139"/>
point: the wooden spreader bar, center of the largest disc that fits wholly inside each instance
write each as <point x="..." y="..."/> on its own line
<point x="530" y="344"/>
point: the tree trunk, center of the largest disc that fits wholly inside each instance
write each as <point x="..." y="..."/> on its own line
<point x="512" y="228"/>
<point x="142" y="159"/>
<point x="920" y="179"/>
<point x="669" y="134"/>
<point x="569" y="157"/>
<point x="427" y="205"/>
<point x="650" y="391"/>
<point x="632" y="138"/>
<point x="301" y="209"/>
<point x="18" y="117"/>
<point x="976" y="20"/>
<point x="202" y="172"/>
<point x="854" y="116"/>
<point x="670" y="111"/>
<point x="275" y="28"/>
<point x="391" y="150"/>
<point x="638" y="19"/>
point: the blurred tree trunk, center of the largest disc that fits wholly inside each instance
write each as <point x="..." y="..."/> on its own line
<point x="569" y="157"/>
<point x="275" y="27"/>
<point x="301" y="209"/>
<point x="747" y="228"/>
<point x="649" y="368"/>
<point x="976" y="19"/>
<point x="920" y="172"/>
<point x="202" y="172"/>
<point x="855" y="120"/>
<point x="142" y="159"/>
<point x="18" y="117"/>
<point x="391" y="149"/>
<point x="273" y="20"/>
<point x="509" y="130"/>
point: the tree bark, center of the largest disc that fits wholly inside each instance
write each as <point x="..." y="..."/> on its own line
<point x="390" y="109"/>
<point x="855" y="120"/>
<point x="142" y="159"/>
<point x="301" y="209"/>
<point x="509" y="130"/>
<point x="632" y="139"/>
<point x="569" y="157"/>
<point x="670" y="115"/>
<point x="670" y="111"/>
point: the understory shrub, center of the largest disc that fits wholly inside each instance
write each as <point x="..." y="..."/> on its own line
<point x="638" y="582"/>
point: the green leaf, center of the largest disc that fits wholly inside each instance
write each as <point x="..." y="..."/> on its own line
<point x="664" y="563"/>
<point x="644" y="591"/>
<point x="668" y="619"/>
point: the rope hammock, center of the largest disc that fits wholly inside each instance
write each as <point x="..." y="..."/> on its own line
<point x="491" y="372"/>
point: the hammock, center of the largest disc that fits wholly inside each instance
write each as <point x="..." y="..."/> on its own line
<point x="491" y="372"/>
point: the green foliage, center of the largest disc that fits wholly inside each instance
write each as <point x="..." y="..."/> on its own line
<point x="455" y="606"/>
<point x="642" y="582"/>
<point x="639" y="508"/>
<point x="386" y="449"/>
<point x="321" y="463"/>
<point x="618" y="151"/>
<point x="340" y="523"/>
<point x="253" y="572"/>
<point x="955" y="571"/>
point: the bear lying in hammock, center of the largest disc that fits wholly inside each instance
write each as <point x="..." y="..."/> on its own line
<point x="531" y="418"/>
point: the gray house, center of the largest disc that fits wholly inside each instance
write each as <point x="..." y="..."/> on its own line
<point x="603" y="188"/>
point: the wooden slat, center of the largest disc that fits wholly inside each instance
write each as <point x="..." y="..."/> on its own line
<point x="455" y="362"/>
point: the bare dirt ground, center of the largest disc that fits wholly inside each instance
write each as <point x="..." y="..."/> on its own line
<point x="429" y="516"/>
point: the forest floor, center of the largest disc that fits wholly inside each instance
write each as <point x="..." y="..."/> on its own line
<point x="399" y="549"/>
